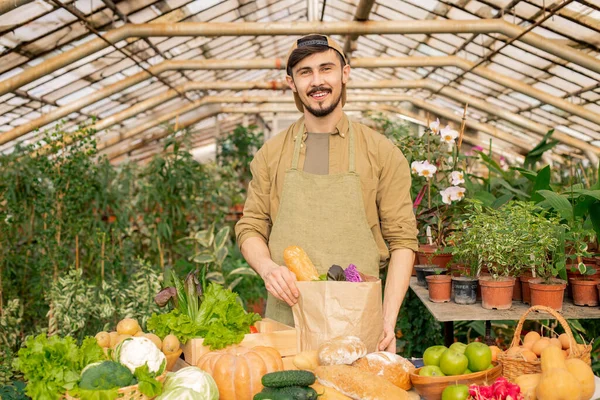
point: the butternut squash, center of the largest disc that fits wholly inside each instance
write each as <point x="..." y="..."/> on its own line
<point x="558" y="384"/>
<point x="297" y="261"/>
<point x="584" y="375"/>
<point x="528" y="383"/>
<point x="552" y="357"/>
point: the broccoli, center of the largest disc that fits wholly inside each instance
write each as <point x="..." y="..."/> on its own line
<point x="105" y="375"/>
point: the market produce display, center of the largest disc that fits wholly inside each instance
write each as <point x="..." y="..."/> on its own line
<point x="55" y="367"/>
<point x="189" y="383"/>
<point x="459" y="359"/>
<point x="341" y="350"/>
<point x="202" y="310"/>
<point x="358" y="384"/>
<point x="238" y="370"/>
<point x="388" y="365"/>
<point x="288" y="385"/>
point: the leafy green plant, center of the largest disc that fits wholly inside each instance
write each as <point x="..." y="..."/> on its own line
<point x="508" y="240"/>
<point x="81" y="307"/>
<point x="52" y="365"/>
<point x="236" y="149"/>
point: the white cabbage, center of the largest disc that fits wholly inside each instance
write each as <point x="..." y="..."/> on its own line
<point x="190" y="383"/>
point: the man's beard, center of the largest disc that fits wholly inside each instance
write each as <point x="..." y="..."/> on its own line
<point x="321" y="112"/>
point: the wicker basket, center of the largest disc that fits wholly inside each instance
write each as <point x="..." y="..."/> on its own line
<point x="128" y="392"/>
<point x="514" y="367"/>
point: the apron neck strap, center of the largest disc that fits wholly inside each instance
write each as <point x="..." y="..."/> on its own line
<point x="351" y="148"/>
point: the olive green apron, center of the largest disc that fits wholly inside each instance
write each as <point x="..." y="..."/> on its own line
<point x="324" y="215"/>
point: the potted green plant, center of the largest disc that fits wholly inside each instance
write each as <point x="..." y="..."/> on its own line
<point x="582" y="272"/>
<point x="505" y="242"/>
<point x="579" y="210"/>
<point x="466" y="250"/>
<point x="547" y="257"/>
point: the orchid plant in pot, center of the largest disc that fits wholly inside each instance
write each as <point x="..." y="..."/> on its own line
<point x="437" y="203"/>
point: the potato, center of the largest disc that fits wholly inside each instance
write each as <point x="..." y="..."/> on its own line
<point x="103" y="339"/>
<point x="155" y="339"/>
<point x="128" y="326"/>
<point x="170" y="344"/>
<point x="114" y="336"/>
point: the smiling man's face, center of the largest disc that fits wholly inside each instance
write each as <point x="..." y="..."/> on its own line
<point x="318" y="81"/>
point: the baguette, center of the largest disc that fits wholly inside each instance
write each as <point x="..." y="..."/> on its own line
<point x="390" y="366"/>
<point x="307" y="360"/>
<point x="297" y="261"/>
<point x="358" y="384"/>
<point x="328" y="393"/>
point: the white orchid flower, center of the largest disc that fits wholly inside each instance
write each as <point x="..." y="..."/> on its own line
<point x="435" y="126"/>
<point x="453" y="193"/>
<point x="448" y="134"/>
<point x="423" y="168"/>
<point x="457" y="177"/>
<point x="446" y="196"/>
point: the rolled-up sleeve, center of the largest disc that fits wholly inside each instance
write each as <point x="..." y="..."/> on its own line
<point x="256" y="221"/>
<point x="398" y="222"/>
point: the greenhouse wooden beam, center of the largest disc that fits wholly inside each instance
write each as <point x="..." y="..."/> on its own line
<point x="9" y="5"/>
<point x="357" y="98"/>
<point x="276" y="63"/>
<point x="428" y="84"/>
<point x="348" y="107"/>
<point x="362" y="14"/>
<point x="297" y="28"/>
<point x="169" y="65"/>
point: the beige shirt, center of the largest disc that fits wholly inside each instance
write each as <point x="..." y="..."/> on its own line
<point x="317" y="153"/>
<point x="383" y="171"/>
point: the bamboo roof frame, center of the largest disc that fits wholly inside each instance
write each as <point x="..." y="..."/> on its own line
<point x="577" y="120"/>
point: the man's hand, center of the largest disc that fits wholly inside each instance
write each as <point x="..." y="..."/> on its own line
<point x="388" y="340"/>
<point x="281" y="283"/>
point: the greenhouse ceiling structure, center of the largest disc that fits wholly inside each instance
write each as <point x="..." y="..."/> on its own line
<point x="518" y="67"/>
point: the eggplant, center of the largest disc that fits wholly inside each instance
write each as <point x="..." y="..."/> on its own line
<point x="336" y="273"/>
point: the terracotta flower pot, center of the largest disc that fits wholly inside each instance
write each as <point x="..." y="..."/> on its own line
<point x="526" y="293"/>
<point x="584" y="291"/>
<point x="440" y="288"/>
<point x="576" y="274"/>
<point x="517" y="294"/>
<point x="547" y="294"/>
<point x="496" y="294"/>
<point x="426" y="255"/>
<point x="420" y="273"/>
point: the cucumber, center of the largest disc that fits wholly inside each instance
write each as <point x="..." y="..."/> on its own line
<point x="272" y="396"/>
<point x="296" y="392"/>
<point x="288" y="378"/>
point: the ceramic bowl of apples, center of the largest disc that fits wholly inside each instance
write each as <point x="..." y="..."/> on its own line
<point x="460" y="363"/>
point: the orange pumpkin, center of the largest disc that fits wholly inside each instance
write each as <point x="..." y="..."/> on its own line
<point x="238" y="370"/>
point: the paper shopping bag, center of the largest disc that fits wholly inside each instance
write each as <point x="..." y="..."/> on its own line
<point x="328" y="309"/>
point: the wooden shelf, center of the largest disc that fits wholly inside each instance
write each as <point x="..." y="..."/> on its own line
<point x="445" y="312"/>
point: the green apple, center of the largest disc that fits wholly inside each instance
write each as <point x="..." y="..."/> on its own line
<point x="479" y="355"/>
<point x="431" y="370"/>
<point x="432" y="355"/>
<point x="453" y="362"/>
<point x="455" y="392"/>
<point x="458" y="346"/>
<point x="490" y="366"/>
<point x="467" y="371"/>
